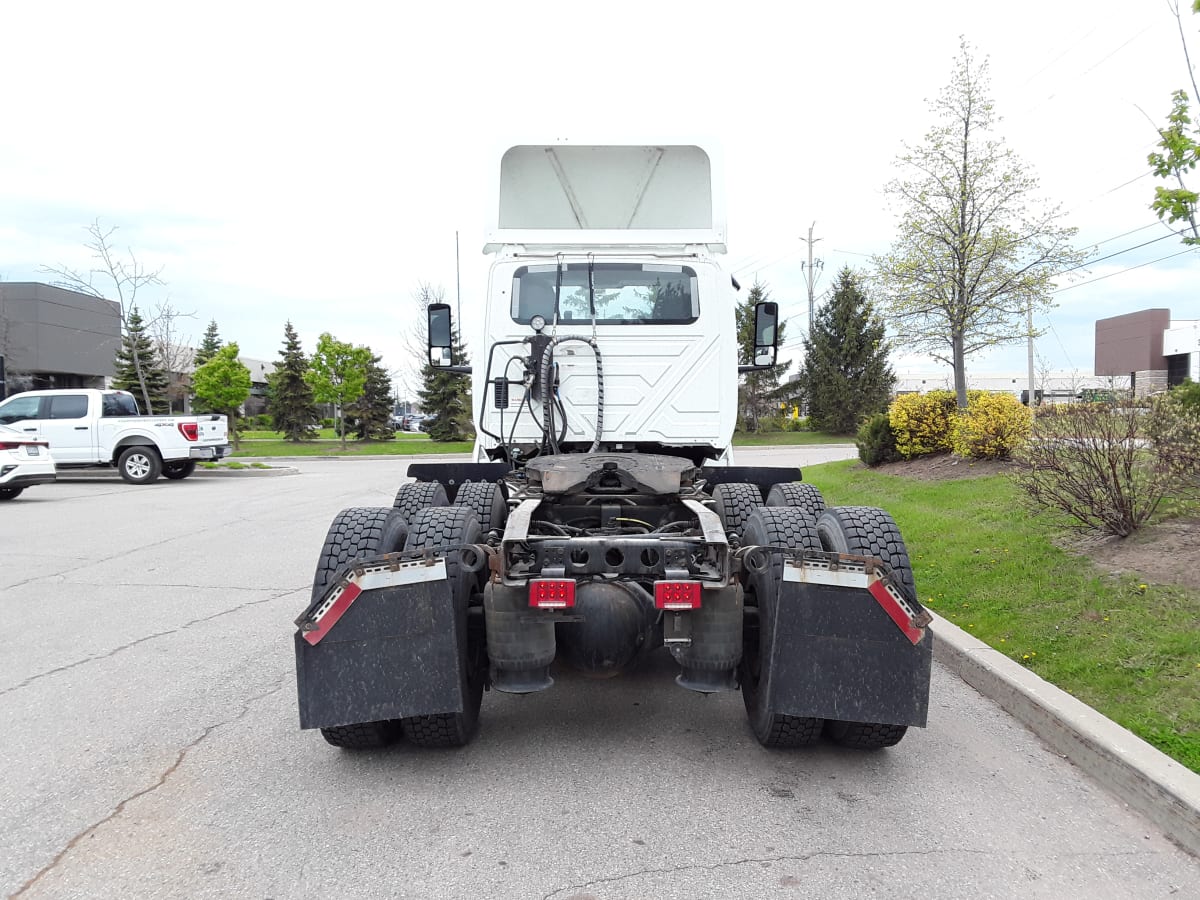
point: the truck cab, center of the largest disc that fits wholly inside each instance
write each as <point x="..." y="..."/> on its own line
<point x="608" y="254"/>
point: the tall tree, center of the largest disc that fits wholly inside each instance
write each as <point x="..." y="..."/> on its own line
<point x="337" y="374"/>
<point x="1178" y="150"/>
<point x="446" y="396"/>
<point x="174" y="352"/>
<point x="223" y="385"/>
<point x="977" y="250"/>
<point x="758" y="392"/>
<point x="290" y="396"/>
<point x="209" y="344"/>
<point x="373" y="410"/>
<point x="845" y="376"/>
<point x="138" y="369"/>
<point x="125" y="278"/>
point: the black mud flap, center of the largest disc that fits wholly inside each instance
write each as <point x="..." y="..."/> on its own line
<point x="837" y="654"/>
<point x="394" y="652"/>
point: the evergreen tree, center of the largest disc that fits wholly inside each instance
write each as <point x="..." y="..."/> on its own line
<point x="137" y="353"/>
<point x="845" y="376"/>
<point x="374" y="408"/>
<point x="209" y="344"/>
<point x="758" y="392"/>
<point x="290" y="397"/>
<point x="447" y="397"/>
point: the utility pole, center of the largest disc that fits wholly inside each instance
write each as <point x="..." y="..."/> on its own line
<point x="810" y="273"/>
<point x="1032" y="403"/>
<point x="457" y="283"/>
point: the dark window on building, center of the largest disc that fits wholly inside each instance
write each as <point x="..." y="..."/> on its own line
<point x="1177" y="368"/>
<point x="69" y="406"/>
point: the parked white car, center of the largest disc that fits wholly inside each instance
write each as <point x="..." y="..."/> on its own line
<point x="87" y="427"/>
<point x="24" y="460"/>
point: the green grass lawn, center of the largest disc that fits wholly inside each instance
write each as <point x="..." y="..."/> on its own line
<point x="270" y="443"/>
<point x="1125" y="646"/>
<point x="786" y="438"/>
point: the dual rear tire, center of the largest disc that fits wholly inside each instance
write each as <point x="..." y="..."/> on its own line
<point x="366" y="531"/>
<point x="796" y="517"/>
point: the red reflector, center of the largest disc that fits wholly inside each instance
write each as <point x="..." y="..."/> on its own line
<point x="552" y="593"/>
<point x="677" y="594"/>
<point x="190" y="430"/>
<point x="10" y="446"/>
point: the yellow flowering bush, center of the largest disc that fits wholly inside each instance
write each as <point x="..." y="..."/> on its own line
<point x="921" y="422"/>
<point x="993" y="425"/>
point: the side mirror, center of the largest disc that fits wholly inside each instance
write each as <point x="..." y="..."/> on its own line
<point x="441" y="353"/>
<point x="766" y="333"/>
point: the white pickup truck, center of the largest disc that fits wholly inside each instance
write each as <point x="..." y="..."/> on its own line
<point x="87" y="427"/>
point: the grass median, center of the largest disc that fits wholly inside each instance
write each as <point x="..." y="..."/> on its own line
<point x="270" y="443"/>
<point x="1122" y="644"/>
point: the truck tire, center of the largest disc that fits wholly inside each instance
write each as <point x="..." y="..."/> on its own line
<point x="418" y="495"/>
<point x="10" y="493"/>
<point x="139" y="464"/>
<point x="179" y="469"/>
<point x="866" y="531"/>
<point x="364" y="735"/>
<point x="782" y="527"/>
<point x="447" y="526"/>
<point x="356" y="533"/>
<point x="798" y="494"/>
<point x="734" y="503"/>
<point x="487" y="500"/>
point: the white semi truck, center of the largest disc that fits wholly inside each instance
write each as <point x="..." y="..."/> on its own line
<point x="603" y="516"/>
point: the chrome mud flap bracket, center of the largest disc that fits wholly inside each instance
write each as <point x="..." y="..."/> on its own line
<point x="383" y="642"/>
<point x="848" y="644"/>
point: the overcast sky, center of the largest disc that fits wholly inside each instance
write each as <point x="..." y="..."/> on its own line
<point x="313" y="161"/>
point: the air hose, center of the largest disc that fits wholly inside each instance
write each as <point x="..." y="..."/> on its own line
<point x="547" y="400"/>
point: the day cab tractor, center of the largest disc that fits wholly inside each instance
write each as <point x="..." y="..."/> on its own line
<point x="602" y="517"/>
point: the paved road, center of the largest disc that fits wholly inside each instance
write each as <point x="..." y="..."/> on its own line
<point x="150" y="748"/>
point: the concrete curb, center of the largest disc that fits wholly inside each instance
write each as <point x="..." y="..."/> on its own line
<point x="1149" y="781"/>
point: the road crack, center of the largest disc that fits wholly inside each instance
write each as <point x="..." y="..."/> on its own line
<point x="805" y="857"/>
<point x="159" y="782"/>
<point x="149" y="637"/>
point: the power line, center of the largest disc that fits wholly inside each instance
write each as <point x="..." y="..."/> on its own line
<point x="1084" y="265"/>
<point x="1123" y="271"/>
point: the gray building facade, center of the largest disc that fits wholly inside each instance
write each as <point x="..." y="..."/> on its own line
<point x="51" y="337"/>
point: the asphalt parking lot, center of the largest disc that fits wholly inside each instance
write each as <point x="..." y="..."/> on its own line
<point x="151" y="747"/>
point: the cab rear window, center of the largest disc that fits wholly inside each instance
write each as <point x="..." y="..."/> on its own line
<point x="623" y="294"/>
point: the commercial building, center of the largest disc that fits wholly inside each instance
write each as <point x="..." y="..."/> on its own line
<point x="1150" y="348"/>
<point x="51" y="337"/>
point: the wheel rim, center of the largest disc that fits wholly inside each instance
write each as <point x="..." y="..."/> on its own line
<point x="138" y="465"/>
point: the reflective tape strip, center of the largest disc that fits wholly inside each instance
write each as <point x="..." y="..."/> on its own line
<point x="820" y="572"/>
<point x="366" y="578"/>
<point x="855" y="575"/>
<point x="901" y="612"/>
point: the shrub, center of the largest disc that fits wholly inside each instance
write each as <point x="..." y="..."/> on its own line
<point x="327" y="423"/>
<point x="876" y="441"/>
<point x="1091" y="461"/>
<point x="921" y="422"/>
<point x="1173" y="427"/>
<point x="263" y="422"/>
<point x="993" y="425"/>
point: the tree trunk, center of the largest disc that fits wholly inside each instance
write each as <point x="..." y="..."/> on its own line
<point x="960" y="370"/>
